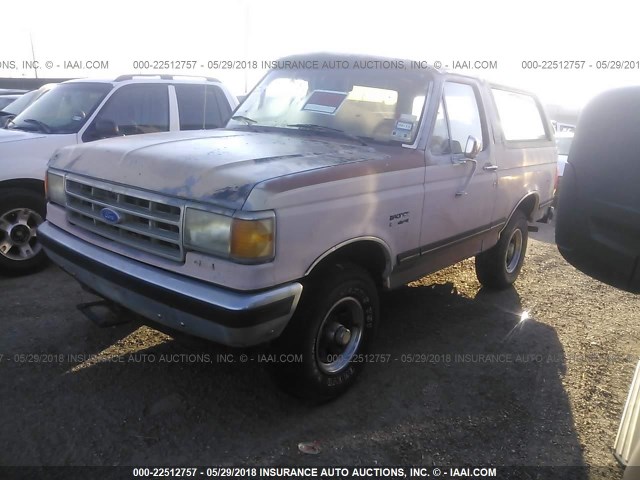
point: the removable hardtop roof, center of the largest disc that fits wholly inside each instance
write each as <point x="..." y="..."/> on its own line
<point x="390" y="62"/>
<point x="385" y="63"/>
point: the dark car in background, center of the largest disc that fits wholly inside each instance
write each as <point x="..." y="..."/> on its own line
<point x="12" y="91"/>
<point x="8" y="99"/>
<point x="9" y="111"/>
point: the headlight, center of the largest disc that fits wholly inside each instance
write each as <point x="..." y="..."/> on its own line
<point x="247" y="239"/>
<point x="207" y="231"/>
<point x="54" y="188"/>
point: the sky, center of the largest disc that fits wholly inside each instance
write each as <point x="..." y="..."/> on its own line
<point x="508" y="33"/>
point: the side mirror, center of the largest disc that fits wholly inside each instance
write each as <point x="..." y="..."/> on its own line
<point x="4" y="121"/>
<point x="105" y="128"/>
<point x="472" y="148"/>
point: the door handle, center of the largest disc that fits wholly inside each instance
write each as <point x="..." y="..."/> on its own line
<point x="490" y="168"/>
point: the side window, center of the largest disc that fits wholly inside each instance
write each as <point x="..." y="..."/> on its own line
<point x="519" y="116"/>
<point x="439" y="143"/>
<point x="134" y="109"/>
<point x="190" y="106"/>
<point x="463" y="115"/>
<point x="200" y="107"/>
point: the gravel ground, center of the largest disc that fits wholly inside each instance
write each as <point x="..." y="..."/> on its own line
<point x="470" y="380"/>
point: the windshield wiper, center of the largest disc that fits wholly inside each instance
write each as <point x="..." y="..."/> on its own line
<point x="312" y="127"/>
<point x="41" y="125"/>
<point x="249" y="121"/>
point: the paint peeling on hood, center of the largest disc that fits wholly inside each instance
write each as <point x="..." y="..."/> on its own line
<point x="217" y="166"/>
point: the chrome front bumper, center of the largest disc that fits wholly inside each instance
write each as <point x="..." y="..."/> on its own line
<point x="198" y="308"/>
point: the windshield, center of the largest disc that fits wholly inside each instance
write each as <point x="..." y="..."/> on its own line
<point x="564" y="145"/>
<point x="64" y="109"/>
<point x="381" y="105"/>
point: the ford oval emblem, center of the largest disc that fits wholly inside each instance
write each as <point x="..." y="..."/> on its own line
<point x="110" y="216"/>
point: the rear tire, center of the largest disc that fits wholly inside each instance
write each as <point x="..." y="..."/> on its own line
<point x="332" y="328"/>
<point x="500" y="266"/>
<point x="21" y="211"/>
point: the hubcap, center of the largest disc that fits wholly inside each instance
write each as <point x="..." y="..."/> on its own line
<point x="342" y="336"/>
<point x="339" y="335"/>
<point x="18" y="234"/>
<point x="514" y="251"/>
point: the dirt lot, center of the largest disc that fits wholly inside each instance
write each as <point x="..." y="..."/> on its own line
<point x="467" y="383"/>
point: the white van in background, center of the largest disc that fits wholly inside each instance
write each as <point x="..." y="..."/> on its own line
<point x="80" y="111"/>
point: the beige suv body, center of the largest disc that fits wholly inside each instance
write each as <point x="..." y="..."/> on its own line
<point x="327" y="185"/>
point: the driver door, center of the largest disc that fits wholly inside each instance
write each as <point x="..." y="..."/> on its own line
<point x="460" y="193"/>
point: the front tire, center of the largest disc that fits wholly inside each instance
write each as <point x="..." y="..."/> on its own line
<point x="500" y="266"/>
<point x="21" y="211"/>
<point x="330" y="332"/>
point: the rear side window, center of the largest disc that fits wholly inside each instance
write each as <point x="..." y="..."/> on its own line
<point x="201" y="107"/>
<point x="520" y="116"/>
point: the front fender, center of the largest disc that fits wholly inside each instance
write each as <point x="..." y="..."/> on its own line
<point x="28" y="158"/>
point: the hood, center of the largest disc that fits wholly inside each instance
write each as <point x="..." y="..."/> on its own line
<point x="17" y="135"/>
<point x="217" y="166"/>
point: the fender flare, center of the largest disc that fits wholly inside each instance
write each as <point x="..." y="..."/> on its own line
<point x="385" y="249"/>
<point x="535" y="195"/>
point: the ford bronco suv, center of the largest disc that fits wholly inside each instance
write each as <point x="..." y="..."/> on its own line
<point x="337" y="177"/>
<point x="80" y="111"/>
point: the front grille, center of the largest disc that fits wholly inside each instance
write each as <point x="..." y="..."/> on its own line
<point x="145" y="221"/>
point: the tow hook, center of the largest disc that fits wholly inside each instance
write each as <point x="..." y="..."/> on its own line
<point x="104" y="313"/>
